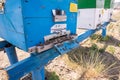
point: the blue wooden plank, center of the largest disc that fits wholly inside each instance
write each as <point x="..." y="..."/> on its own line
<point x="38" y="74"/>
<point x="19" y="69"/>
<point x="85" y="35"/>
<point x="11" y="53"/>
<point x="3" y="44"/>
<point x="103" y="32"/>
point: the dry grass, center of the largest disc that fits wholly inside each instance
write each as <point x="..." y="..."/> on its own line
<point x="94" y="67"/>
<point x="91" y="63"/>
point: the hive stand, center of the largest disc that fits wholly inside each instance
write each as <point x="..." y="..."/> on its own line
<point x="36" y="62"/>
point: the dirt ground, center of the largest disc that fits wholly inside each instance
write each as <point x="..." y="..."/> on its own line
<point x="73" y="72"/>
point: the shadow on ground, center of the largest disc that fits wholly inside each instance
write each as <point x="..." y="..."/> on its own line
<point x="112" y="41"/>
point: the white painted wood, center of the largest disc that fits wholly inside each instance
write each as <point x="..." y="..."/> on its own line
<point x="86" y="18"/>
<point x="91" y="18"/>
<point x="107" y="15"/>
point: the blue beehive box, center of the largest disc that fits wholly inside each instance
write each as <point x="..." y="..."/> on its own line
<point x="27" y="23"/>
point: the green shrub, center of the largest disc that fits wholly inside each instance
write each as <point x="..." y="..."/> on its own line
<point x="94" y="36"/>
<point x="93" y="48"/>
<point x="99" y="38"/>
<point x="101" y="50"/>
<point x="111" y="49"/>
<point x="53" y="76"/>
<point x="119" y="44"/>
<point x="106" y="38"/>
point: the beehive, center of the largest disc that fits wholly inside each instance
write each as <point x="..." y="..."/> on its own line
<point x="93" y="13"/>
<point x="27" y="23"/>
